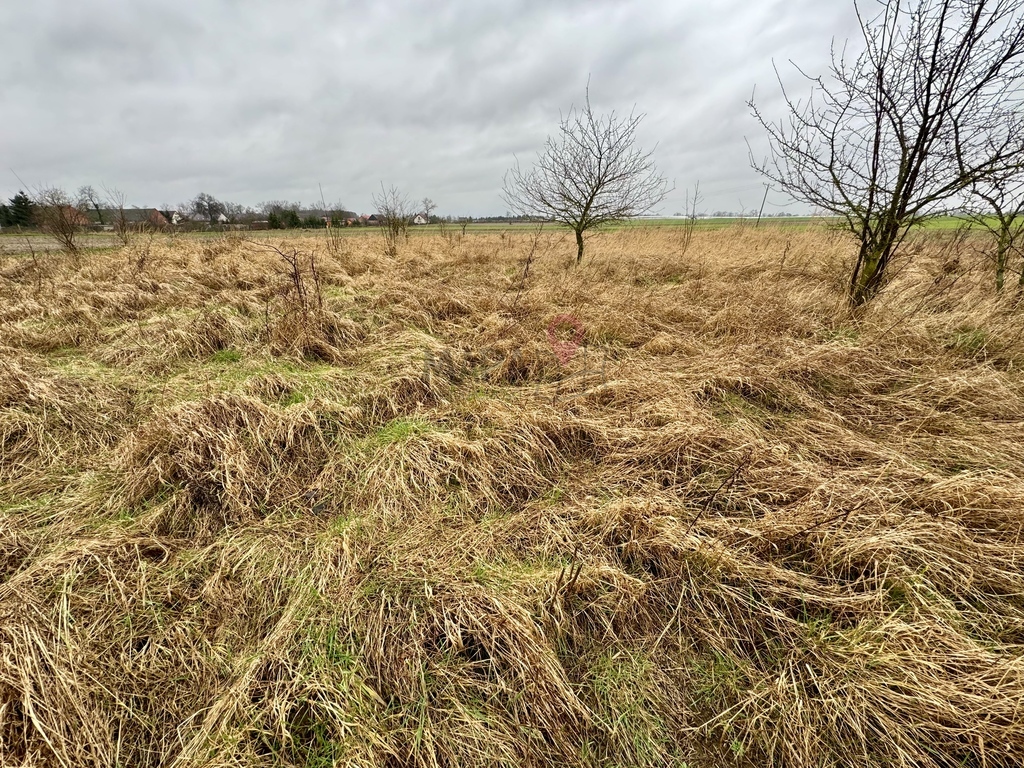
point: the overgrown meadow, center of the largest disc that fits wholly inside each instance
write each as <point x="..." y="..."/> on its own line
<point x="286" y="501"/>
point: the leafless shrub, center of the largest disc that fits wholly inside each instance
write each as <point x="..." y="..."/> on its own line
<point x="334" y="239"/>
<point x="38" y="269"/>
<point x="1001" y="215"/>
<point x="332" y="234"/>
<point x="448" y="234"/>
<point x="139" y="249"/>
<point x="302" y="324"/>
<point x="690" y="223"/>
<point x="304" y="289"/>
<point x="524" y="275"/>
<point x="124" y="229"/>
<point x="394" y="212"/>
<point x="58" y="217"/>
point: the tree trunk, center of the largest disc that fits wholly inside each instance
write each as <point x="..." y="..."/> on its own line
<point x="868" y="279"/>
<point x="876" y="249"/>
<point x="1002" y="253"/>
<point x="579" y="246"/>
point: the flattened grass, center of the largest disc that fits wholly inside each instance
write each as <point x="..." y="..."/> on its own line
<point x="368" y="517"/>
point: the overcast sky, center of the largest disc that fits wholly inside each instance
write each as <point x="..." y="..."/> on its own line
<point x="256" y="100"/>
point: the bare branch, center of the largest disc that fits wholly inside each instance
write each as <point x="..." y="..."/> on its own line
<point x="916" y="121"/>
<point x="590" y="173"/>
<point x="393" y="213"/>
<point x="58" y="217"/>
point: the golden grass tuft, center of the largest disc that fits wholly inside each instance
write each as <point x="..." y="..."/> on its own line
<point x="264" y="502"/>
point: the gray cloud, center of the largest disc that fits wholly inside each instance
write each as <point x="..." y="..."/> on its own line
<point x="258" y="100"/>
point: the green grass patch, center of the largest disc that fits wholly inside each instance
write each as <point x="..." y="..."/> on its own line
<point x="399" y="430"/>
<point x="226" y="356"/>
<point x="970" y="342"/>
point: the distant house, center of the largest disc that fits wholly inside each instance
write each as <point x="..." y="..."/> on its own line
<point x="326" y="216"/>
<point x="373" y="218"/>
<point x="74" y="216"/>
<point x="107" y="218"/>
<point x="420" y="219"/>
<point x="343" y="218"/>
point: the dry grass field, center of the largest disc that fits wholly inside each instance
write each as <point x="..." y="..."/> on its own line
<point x="258" y="509"/>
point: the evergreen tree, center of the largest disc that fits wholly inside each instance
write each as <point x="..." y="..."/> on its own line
<point x="21" y="210"/>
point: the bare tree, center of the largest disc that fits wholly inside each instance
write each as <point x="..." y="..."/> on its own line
<point x="913" y="122"/>
<point x="590" y="173"/>
<point x="58" y="217"/>
<point x="123" y="228"/>
<point x="1000" y="211"/>
<point x="429" y="206"/>
<point x="997" y="207"/>
<point x="235" y="212"/>
<point x="394" y="212"/>
<point x="277" y="206"/>
<point x="88" y="198"/>
<point x="206" y="208"/>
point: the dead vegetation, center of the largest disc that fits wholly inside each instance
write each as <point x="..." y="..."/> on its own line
<point x="261" y="504"/>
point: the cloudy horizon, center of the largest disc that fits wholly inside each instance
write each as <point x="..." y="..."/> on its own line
<point x="259" y="101"/>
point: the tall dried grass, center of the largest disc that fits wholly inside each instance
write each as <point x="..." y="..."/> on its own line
<point x="270" y="505"/>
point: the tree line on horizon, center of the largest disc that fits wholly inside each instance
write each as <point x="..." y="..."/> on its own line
<point x="96" y="209"/>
